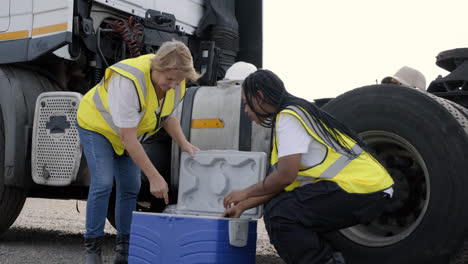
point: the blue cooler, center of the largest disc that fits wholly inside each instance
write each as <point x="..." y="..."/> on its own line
<point x="193" y="231"/>
<point x="164" y="238"/>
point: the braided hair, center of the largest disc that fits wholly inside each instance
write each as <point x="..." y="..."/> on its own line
<point x="275" y="95"/>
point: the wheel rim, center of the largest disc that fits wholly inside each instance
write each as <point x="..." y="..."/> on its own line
<point x="411" y="192"/>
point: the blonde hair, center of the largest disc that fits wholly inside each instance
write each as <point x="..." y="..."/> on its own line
<point x="174" y="55"/>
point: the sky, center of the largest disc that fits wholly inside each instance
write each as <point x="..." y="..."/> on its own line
<point x="322" y="49"/>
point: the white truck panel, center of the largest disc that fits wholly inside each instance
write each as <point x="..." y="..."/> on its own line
<point x="126" y="6"/>
<point x="50" y="5"/>
<point x="187" y="12"/>
<point x="140" y="3"/>
<point x="21" y="7"/>
<point x="36" y="19"/>
<point x="50" y="18"/>
<point x="57" y="20"/>
<point x="20" y="16"/>
<point x="21" y="22"/>
<point x="4" y="15"/>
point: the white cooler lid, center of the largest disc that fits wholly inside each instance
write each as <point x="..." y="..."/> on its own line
<point x="210" y="175"/>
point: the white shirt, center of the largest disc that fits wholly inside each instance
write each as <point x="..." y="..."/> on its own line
<point x="294" y="139"/>
<point x="123" y="102"/>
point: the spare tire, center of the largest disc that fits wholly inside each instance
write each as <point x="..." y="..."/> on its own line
<point x="422" y="141"/>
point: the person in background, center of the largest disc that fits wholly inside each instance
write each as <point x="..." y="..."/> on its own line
<point x="407" y="76"/>
<point x="135" y="98"/>
<point x="323" y="178"/>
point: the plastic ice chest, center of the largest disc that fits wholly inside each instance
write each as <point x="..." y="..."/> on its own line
<point x="194" y="232"/>
<point x="163" y="238"/>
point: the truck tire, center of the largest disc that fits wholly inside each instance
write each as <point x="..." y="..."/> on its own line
<point x="11" y="198"/>
<point x="422" y="140"/>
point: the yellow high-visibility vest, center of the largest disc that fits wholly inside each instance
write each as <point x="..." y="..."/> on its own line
<point x="93" y="113"/>
<point x="362" y="174"/>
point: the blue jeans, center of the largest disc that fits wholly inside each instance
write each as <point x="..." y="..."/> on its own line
<point x="105" y="166"/>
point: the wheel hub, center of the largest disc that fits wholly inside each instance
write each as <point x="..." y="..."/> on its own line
<point x="410" y="197"/>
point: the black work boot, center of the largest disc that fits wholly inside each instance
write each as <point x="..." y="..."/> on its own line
<point x="93" y="250"/>
<point x="121" y="250"/>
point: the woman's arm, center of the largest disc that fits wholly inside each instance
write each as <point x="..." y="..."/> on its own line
<point x="158" y="186"/>
<point x="172" y="126"/>
<point x="275" y="182"/>
<point x="237" y="210"/>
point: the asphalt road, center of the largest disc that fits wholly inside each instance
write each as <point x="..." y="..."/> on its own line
<point x="51" y="231"/>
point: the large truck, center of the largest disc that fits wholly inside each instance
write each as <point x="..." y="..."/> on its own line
<point x="52" y="52"/>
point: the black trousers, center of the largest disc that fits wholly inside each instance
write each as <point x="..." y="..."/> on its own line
<point x="295" y="220"/>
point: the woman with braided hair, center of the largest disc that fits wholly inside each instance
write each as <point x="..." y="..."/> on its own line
<point x="323" y="179"/>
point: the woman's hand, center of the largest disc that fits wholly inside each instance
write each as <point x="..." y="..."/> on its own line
<point x="189" y="148"/>
<point x="234" y="211"/>
<point x="234" y="197"/>
<point x="158" y="188"/>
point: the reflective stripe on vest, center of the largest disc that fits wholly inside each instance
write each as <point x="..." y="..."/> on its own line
<point x="333" y="170"/>
<point x="139" y="75"/>
<point x="177" y="94"/>
<point x="100" y="107"/>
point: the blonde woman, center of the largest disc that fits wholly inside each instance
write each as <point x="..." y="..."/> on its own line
<point x="135" y="98"/>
